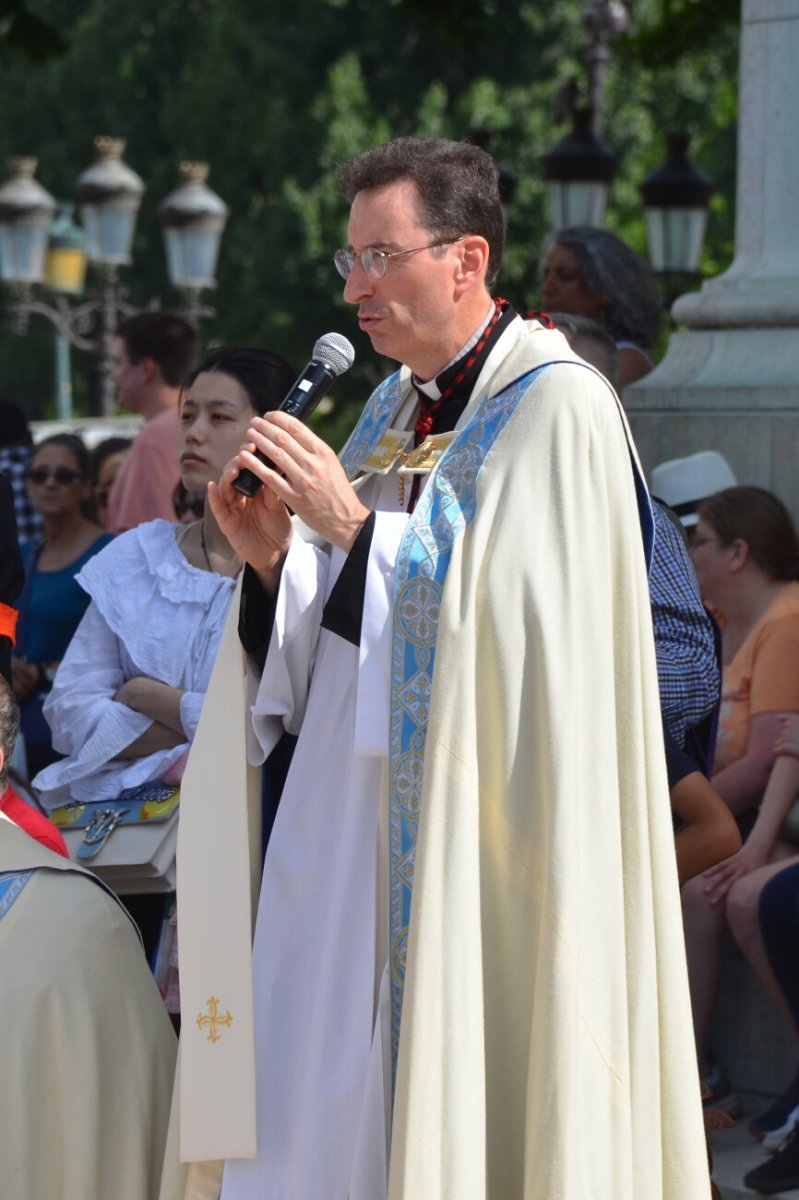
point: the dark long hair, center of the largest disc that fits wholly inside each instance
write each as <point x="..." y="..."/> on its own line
<point x="265" y="376"/>
<point x="76" y="447"/>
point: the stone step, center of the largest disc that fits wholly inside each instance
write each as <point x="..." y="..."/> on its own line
<point x="735" y="1153"/>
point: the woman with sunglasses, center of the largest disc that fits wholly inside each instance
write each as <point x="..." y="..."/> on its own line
<point x="52" y="603"/>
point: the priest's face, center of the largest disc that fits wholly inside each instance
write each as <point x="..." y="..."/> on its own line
<point x="411" y="312"/>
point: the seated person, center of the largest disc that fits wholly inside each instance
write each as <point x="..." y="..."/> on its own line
<point x="762" y="912"/>
<point x="88" y="1057"/>
<point x="126" y="700"/>
<point x="776" y="917"/>
<point x="52" y="604"/>
<point x="746" y="554"/>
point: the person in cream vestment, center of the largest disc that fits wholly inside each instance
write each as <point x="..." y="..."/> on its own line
<point x="87" y="1055"/>
<point x="467" y="978"/>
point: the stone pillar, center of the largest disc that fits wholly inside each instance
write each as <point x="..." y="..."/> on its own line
<point x="730" y="380"/>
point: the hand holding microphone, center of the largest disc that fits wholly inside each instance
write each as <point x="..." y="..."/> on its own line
<point x="332" y="356"/>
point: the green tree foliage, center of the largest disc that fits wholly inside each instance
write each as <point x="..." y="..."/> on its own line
<point x="21" y="32"/>
<point x="275" y="95"/>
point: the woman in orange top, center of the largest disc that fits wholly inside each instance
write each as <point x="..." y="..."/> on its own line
<point x="746" y="555"/>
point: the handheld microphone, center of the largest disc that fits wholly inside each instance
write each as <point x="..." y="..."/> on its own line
<point x="332" y="356"/>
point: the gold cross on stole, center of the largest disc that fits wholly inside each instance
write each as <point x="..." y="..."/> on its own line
<point x="212" y="1019"/>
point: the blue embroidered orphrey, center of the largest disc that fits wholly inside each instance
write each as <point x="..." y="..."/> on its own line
<point x="11" y="887"/>
<point x="373" y="422"/>
<point x="445" y="509"/>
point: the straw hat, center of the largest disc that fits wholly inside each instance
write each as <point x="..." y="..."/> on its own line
<point x="683" y="483"/>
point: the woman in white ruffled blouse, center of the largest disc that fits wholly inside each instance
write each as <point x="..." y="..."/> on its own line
<point x="127" y="697"/>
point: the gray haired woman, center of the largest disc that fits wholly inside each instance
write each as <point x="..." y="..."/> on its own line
<point x="593" y="273"/>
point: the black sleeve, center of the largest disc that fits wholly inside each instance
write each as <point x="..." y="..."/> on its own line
<point x="256" y="617"/>
<point x="343" y="613"/>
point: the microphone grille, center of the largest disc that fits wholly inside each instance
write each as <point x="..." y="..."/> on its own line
<point x="335" y="351"/>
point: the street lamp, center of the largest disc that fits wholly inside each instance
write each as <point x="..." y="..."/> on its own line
<point x="604" y="21"/>
<point x="676" y="199"/>
<point x="579" y="171"/>
<point x="109" y="194"/>
<point x="193" y="218"/>
<point x="26" y="211"/>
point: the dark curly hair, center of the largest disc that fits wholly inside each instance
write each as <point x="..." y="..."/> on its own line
<point x="631" y="307"/>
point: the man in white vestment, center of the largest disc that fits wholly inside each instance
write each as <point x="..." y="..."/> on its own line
<point x="87" y="1052"/>
<point x="468" y="971"/>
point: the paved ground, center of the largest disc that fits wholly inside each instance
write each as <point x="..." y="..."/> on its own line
<point x="735" y="1153"/>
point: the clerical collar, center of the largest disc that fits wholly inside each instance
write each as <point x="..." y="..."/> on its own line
<point x="430" y="387"/>
<point x="443" y="399"/>
<point x="454" y="384"/>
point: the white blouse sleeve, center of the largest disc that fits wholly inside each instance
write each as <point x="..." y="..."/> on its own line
<point x="87" y="723"/>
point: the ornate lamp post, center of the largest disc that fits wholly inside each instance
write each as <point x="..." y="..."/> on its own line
<point x="579" y="171"/>
<point x="604" y="21"/>
<point x="580" y="168"/>
<point x="65" y="274"/>
<point x="193" y="218"/>
<point x="676" y="199"/>
<point x="26" y="211"/>
<point x="109" y="195"/>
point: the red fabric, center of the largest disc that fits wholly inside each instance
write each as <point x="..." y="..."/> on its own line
<point x="35" y="824"/>
<point x="8" y="622"/>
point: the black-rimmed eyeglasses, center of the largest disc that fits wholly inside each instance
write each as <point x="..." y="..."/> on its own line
<point x="374" y="263"/>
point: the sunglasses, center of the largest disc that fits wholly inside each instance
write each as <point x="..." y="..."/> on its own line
<point x="62" y="475"/>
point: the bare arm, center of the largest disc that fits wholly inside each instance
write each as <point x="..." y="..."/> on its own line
<point x="154" y="699"/>
<point x="162" y="703"/>
<point x="780" y="793"/>
<point x="632" y="365"/>
<point x="743" y="782"/>
<point x="157" y="737"/>
<point x="709" y="833"/>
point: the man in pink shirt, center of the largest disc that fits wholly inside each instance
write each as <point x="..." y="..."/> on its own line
<point x="153" y="353"/>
